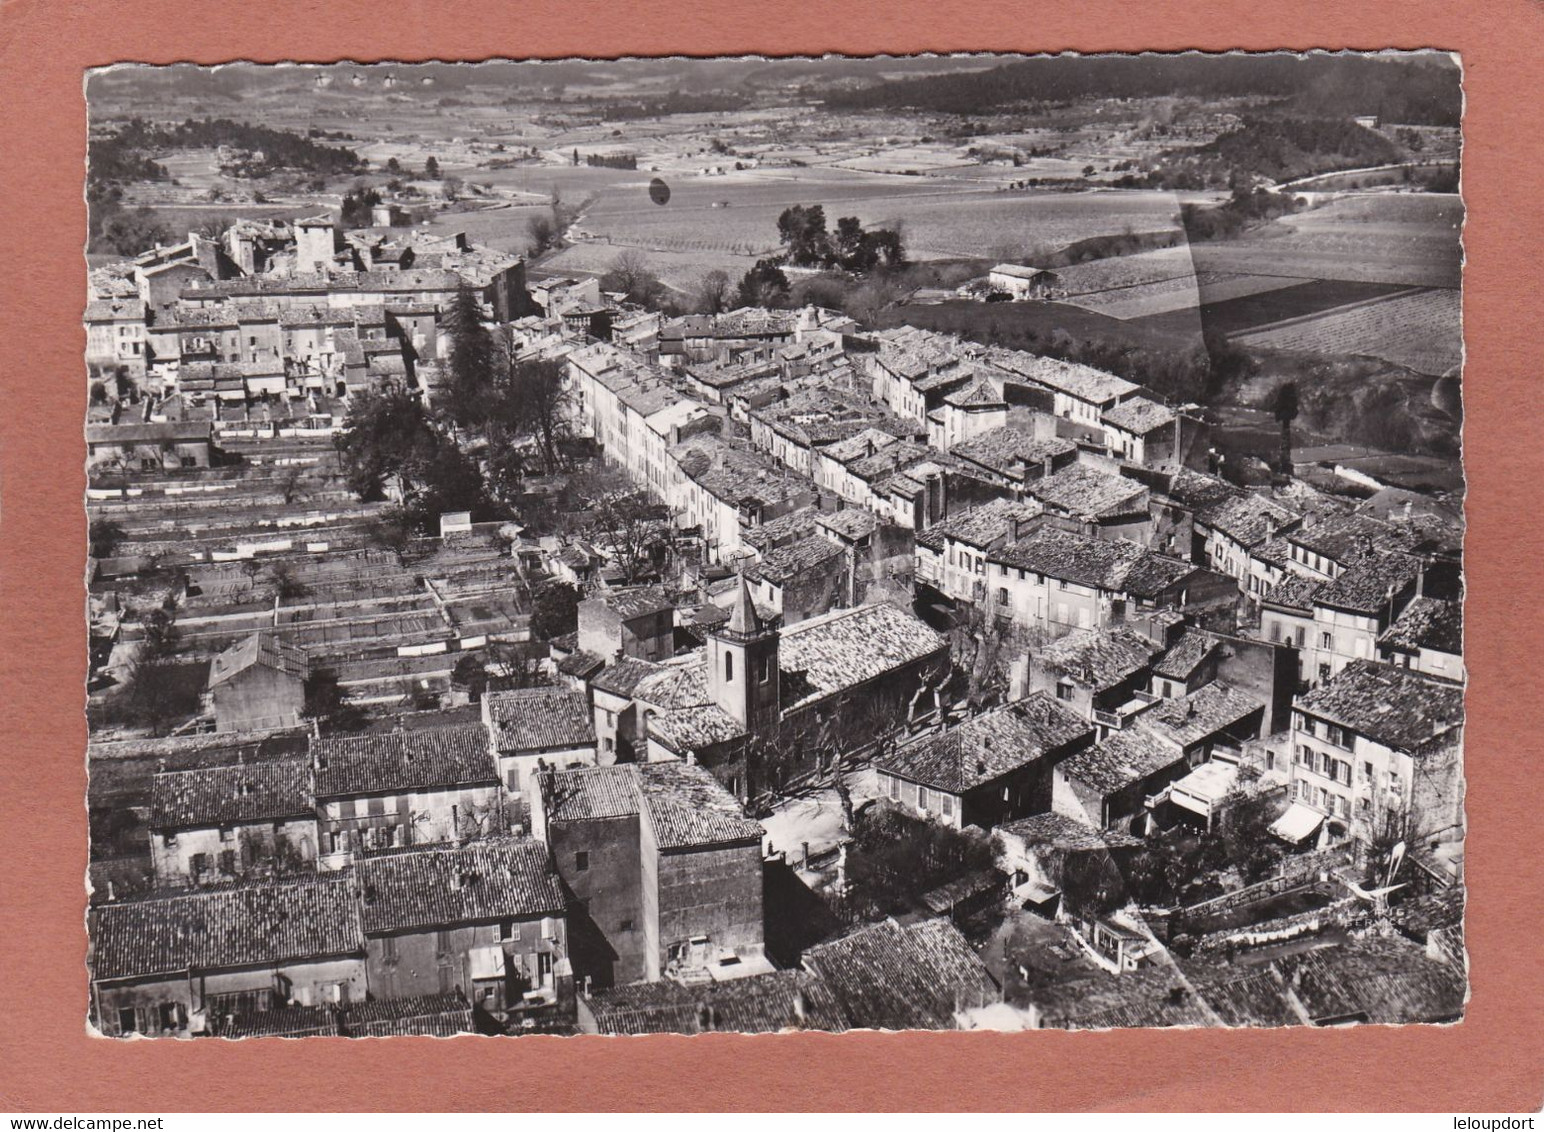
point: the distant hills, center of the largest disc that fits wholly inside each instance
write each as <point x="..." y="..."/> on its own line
<point x="1409" y="90"/>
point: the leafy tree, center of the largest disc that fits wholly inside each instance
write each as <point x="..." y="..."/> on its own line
<point x="802" y="230"/>
<point x="534" y="398"/>
<point x="473" y="364"/>
<point x="357" y="206"/>
<point x="104" y="537"/>
<point x="281" y="575"/>
<point x="631" y="275"/>
<point x="392" y="529"/>
<point x="393" y="165"/>
<point x="129" y="233"/>
<point x="555" y="610"/>
<point x="470" y="674"/>
<point x="98" y="393"/>
<point x="713" y="292"/>
<point x="328" y="705"/>
<point x="432" y="169"/>
<point x="1285" y="409"/>
<point x="764" y="285"/>
<point x="542" y="232"/>
<point x="384" y="439"/>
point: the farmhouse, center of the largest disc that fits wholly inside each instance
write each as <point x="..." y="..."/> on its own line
<point x="1023" y="282"/>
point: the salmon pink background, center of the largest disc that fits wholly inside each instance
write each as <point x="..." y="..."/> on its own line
<point x="1490" y="1062"/>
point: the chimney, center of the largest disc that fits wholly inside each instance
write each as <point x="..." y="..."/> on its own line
<point x="1190" y="709"/>
<point x="1270" y="526"/>
<point x="800" y="1007"/>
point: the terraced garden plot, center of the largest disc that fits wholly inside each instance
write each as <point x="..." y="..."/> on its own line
<point x="1420" y="331"/>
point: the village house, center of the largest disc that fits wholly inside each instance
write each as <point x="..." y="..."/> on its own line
<point x="151" y="445"/>
<point x="115" y="339"/>
<point x="1023" y="282"/>
<point x="637" y="622"/>
<point x="1011" y="457"/>
<point x="1229" y="529"/>
<point x="1376" y="752"/>
<point x="486" y="919"/>
<point x="951" y="556"/>
<point x="987" y="770"/>
<point x="800" y="580"/>
<point x="966" y="413"/>
<point x="531" y="727"/>
<point x="1057" y="581"/>
<point x="1108" y="784"/>
<point x="258" y="683"/>
<point x="1087" y="501"/>
<point x="219" y="823"/>
<point x="664" y="868"/>
<point x="193" y="963"/>
<point x="1427" y="637"/>
<point x="394" y="789"/>
<point x="1266" y="671"/>
<point x="618" y="723"/>
<point x="1153" y="435"/>
<point x="1101" y="674"/>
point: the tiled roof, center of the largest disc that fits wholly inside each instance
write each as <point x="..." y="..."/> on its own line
<point x="760" y="1004"/>
<point x="982" y="527"/>
<point x="1080" y="381"/>
<point x="581" y="664"/>
<point x="1394" y="706"/>
<point x="1370" y="584"/>
<point x="266" y="650"/>
<point x="1427" y="623"/>
<point x="621" y="677"/>
<point x="1123" y="758"/>
<point x="1294" y="592"/>
<point x="678" y="683"/>
<point x="918" y="977"/>
<point x="987" y="746"/>
<point x="695" y="727"/>
<point x="1008" y="450"/>
<point x="784" y="563"/>
<point x="979" y="394"/>
<point x="1062" y="832"/>
<point x="851" y="522"/>
<point x="1344" y="538"/>
<point x="1097" y="658"/>
<point x="286" y="1022"/>
<point x="231" y="795"/>
<point x="1384" y="981"/>
<point x="435" y="1015"/>
<point x="1195" y="490"/>
<point x="1186" y="655"/>
<point x="442" y="885"/>
<point x="591" y="793"/>
<point x="423" y="760"/>
<point x="1114" y="565"/>
<point x="540" y="719"/>
<point x="1247" y="519"/>
<point x="688" y="807"/>
<point x="1208" y="710"/>
<point x="231" y="927"/>
<point x="848" y="647"/>
<point x="1139" y="416"/>
<point x="148" y="432"/>
<point x="108" y="310"/>
<point x="631" y="603"/>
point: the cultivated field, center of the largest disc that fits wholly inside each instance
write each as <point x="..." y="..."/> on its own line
<point x="1420" y="331"/>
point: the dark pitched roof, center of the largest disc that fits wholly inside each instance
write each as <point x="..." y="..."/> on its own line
<point x="988" y="746"/>
<point x="631" y="603"/>
<point x="436" y="758"/>
<point x="1367" y="586"/>
<point x="1061" y="832"/>
<point x="231" y="795"/>
<point x="1427" y="623"/>
<point x="983" y="527"/>
<point x="286" y="1022"/>
<point x="442" y="885"/>
<point x="591" y="793"/>
<point x="784" y="563"/>
<point x="265" y="650"/>
<point x="434" y="1015"/>
<point x="1008" y="450"/>
<point x="1248" y="519"/>
<point x="1082" y="491"/>
<point x="1139" y="416"/>
<point x="1344" y="538"/>
<point x="1207" y="711"/>
<point x="1186" y="655"/>
<point x="1123" y="758"/>
<point x="760" y="1004"/>
<point x="847" y="647"/>
<point x="1115" y="565"/>
<point x="230" y="927"/>
<point x="540" y="719"/>
<point x="688" y="807"/>
<point x="1294" y="592"/>
<point x="918" y="977"/>
<point x="1098" y="658"/>
<point x="1390" y="705"/>
<point x="1386" y="981"/>
<point x="621" y="677"/>
<point x="581" y="664"/>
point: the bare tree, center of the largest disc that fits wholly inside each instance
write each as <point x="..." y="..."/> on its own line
<point x="713" y="292"/>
